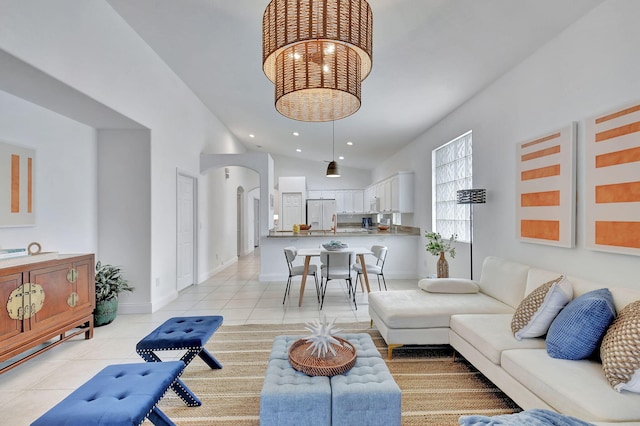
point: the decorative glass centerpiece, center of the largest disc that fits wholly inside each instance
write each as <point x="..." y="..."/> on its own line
<point x="334" y="245"/>
<point x="322" y="353"/>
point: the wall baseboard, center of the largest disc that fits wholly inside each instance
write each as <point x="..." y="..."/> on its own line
<point x="203" y="277"/>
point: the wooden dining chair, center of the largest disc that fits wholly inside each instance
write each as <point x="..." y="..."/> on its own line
<point x="337" y="265"/>
<point x="290" y="254"/>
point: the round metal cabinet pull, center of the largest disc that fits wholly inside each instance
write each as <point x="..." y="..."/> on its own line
<point x="72" y="275"/>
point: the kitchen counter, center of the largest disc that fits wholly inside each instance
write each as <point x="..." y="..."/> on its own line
<point x="348" y="232"/>
<point x="403" y="245"/>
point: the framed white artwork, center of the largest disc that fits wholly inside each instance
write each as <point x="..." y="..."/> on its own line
<point x="612" y="181"/>
<point x="17" y="181"/>
<point x="546" y="188"/>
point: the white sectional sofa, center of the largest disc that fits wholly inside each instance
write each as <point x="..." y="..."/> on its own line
<point x="478" y="326"/>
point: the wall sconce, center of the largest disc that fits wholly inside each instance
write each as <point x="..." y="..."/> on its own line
<point x="226" y="173"/>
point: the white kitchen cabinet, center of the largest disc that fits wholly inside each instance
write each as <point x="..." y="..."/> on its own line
<point x="341" y="205"/>
<point x="321" y="194"/>
<point x="314" y="194"/>
<point x="358" y="201"/>
<point x="402" y="189"/>
<point x="394" y="194"/>
<point x="371" y="199"/>
<point x="350" y="200"/>
<point x="384" y="194"/>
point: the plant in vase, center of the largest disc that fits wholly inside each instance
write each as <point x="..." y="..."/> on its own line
<point x="109" y="284"/>
<point x="438" y="246"/>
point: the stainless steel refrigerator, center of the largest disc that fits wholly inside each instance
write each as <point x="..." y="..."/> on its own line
<point x="320" y="213"/>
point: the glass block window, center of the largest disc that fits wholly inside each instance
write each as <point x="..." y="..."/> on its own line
<point x="452" y="170"/>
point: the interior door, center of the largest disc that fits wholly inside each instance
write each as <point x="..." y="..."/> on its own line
<point x="291" y="209"/>
<point x="186" y="238"/>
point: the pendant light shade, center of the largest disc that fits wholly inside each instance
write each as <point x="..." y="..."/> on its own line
<point x="332" y="170"/>
<point x="317" y="52"/>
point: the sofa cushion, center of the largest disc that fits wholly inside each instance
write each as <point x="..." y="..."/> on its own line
<point x="420" y="309"/>
<point x="536" y="311"/>
<point x="448" y="285"/>
<point x="504" y="280"/>
<point x="579" y="328"/>
<point x="620" y="350"/>
<point x="490" y="334"/>
<point x="575" y="388"/>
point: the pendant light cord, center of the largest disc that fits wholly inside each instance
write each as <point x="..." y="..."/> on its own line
<point x="333" y="139"/>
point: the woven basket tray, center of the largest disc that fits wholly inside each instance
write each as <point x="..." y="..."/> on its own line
<point x="301" y="359"/>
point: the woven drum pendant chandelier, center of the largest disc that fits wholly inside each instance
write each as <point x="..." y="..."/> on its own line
<point x="317" y="52"/>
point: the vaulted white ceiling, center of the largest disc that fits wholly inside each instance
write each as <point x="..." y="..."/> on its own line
<point x="429" y="57"/>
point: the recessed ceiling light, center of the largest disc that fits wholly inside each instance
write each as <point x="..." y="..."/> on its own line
<point x="298" y="150"/>
<point x="341" y="158"/>
<point x="296" y="134"/>
<point x="251" y="135"/>
<point x="349" y="143"/>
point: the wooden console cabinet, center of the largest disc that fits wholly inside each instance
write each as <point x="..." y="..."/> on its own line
<point x="42" y="304"/>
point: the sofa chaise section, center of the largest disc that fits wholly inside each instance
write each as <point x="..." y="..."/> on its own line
<point x="418" y="317"/>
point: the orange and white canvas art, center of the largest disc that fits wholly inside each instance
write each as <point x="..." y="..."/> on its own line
<point x="612" y="179"/>
<point x="17" y="207"/>
<point x="545" y="186"/>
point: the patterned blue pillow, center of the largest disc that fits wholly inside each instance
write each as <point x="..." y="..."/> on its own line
<point x="579" y="328"/>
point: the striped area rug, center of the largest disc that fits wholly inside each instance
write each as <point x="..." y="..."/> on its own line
<point x="436" y="389"/>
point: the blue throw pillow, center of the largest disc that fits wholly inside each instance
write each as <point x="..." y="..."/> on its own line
<point x="579" y="328"/>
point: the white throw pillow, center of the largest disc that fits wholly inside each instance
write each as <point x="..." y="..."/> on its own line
<point x="536" y="312"/>
<point x="448" y="285"/>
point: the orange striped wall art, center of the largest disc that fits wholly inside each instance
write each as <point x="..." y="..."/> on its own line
<point x="545" y="185"/>
<point x="17" y="207"/>
<point x="612" y="181"/>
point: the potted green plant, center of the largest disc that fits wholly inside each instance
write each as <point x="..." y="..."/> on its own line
<point x="436" y="245"/>
<point x="109" y="284"/>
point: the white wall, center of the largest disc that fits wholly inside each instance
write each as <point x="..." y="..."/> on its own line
<point x="315" y="172"/>
<point x="124" y="209"/>
<point x="221" y="221"/>
<point x="90" y="48"/>
<point x="588" y="69"/>
<point x="65" y="178"/>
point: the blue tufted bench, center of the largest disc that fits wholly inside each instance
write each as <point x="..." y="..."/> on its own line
<point x="182" y="333"/>
<point x="367" y="394"/>
<point x="118" y="395"/>
<point x="291" y="398"/>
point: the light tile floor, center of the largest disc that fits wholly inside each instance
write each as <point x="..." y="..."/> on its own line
<point x="30" y="389"/>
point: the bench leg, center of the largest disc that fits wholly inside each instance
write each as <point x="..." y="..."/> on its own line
<point x="209" y="359"/>
<point x="150" y="357"/>
<point x="185" y="394"/>
<point x="178" y="387"/>
<point x="158" y="418"/>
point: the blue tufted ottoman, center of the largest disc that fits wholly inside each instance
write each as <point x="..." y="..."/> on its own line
<point x="289" y="397"/>
<point x="182" y="333"/>
<point x="366" y="395"/>
<point x="118" y="395"/>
